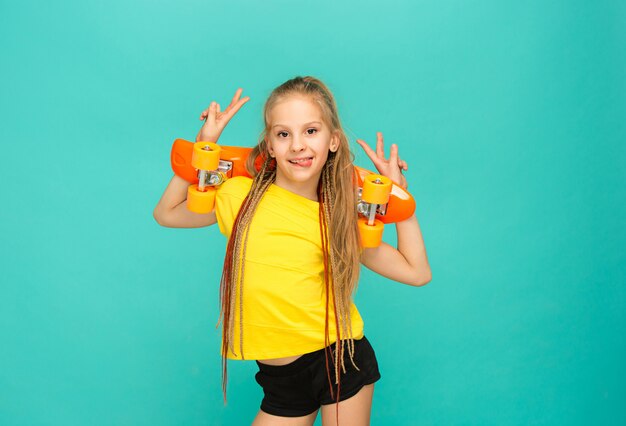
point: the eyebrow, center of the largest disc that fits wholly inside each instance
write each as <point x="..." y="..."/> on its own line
<point x="304" y="125"/>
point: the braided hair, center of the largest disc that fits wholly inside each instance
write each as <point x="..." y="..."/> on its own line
<point x="338" y="229"/>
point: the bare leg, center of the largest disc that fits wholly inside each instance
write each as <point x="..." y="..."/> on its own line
<point x="354" y="411"/>
<point x="264" y="419"/>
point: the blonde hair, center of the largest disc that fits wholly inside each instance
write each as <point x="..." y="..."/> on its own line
<point x="338" y="228"/>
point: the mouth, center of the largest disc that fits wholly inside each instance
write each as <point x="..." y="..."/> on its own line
<point x="302" y="162"/>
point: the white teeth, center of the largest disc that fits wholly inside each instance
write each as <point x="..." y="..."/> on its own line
<point x="300" y="160"/>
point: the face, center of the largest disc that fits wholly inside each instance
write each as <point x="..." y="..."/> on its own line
<point x="300" y="141"/>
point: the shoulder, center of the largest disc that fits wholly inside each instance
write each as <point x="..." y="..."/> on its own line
<point x="229" y="197"/>
<point x="236" y="186"/>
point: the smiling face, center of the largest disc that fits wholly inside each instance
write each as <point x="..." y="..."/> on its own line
<point x="299" y="140"/>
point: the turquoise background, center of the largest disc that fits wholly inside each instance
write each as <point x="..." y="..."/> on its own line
<point x="511" y="116"/>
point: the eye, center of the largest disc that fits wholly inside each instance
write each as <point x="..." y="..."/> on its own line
<point x="282" y="134"/>
<point x="311" y="131"/>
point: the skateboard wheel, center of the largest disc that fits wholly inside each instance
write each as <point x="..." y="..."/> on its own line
<point x="200" y="201"/>
<point x="376" y="189"/>
<point x="371" y="235"/>
<point x="206" y="156"/>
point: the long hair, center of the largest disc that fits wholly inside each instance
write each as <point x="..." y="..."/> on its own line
<point x="338" y="229"/>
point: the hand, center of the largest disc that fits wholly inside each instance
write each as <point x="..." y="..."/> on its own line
<point x="215" y="120"/>
<point x="392" y="167"/>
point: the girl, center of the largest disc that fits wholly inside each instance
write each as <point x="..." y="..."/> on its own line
<point x="293" y="257"/>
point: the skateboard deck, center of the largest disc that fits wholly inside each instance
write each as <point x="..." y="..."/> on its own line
<point x="232" y="162"/>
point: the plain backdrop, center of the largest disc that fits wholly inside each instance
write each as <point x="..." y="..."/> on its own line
<point x="510" y="115"/>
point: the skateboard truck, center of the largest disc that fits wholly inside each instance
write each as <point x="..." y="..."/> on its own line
<point x="206" y="159"/>
<point x="373" y="200"/>
<point x="216" y="178"/>
<point x="367" y="209"/>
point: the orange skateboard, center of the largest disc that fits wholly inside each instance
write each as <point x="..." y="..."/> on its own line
<point x="206" y="165"/>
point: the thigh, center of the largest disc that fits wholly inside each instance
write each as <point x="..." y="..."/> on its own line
<point x="287" y="389"/>
<point x="353" y="378"/>
<point x="265" y="419"/>
<point x="354" y="411"/>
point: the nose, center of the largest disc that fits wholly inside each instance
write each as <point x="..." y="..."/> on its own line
<point x="297" y="143"/>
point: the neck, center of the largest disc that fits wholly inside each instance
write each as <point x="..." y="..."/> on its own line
<point x="304" y="189"/>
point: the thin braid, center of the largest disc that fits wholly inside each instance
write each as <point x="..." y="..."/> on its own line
<point x="327" y="284"/>
<point x="348" y="281"/>
<point x="326" y="208"/>
<point x="343" y="320"/>
<point x="236" y="271"/>
<point x="259" y="186"/>
<point x="256" y="199"/>
<point x="233" y="273"/>
<point x="327" y="196"/>
<point x="236" y="265"/>
<point x="344" y="311"/>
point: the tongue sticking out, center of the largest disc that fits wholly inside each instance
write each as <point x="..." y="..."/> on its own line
<point x="303" y="163"/>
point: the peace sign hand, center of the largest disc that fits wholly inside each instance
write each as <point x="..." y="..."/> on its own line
<point x="392" y="167"/>
<point x="215" y="120"/>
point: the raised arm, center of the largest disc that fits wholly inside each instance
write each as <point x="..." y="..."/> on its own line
<point x="408" y="262"/>
<point x="171" y="210"/>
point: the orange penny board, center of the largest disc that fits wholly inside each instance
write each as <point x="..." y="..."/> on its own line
<point x="401" y="204"/>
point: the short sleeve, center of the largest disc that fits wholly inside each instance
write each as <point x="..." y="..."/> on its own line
<point x="230" y="196"/>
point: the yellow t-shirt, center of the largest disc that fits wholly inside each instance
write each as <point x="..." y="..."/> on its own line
<point x="284" y="306"/>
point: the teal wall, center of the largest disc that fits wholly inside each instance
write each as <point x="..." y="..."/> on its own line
<point x="510" y="114"/>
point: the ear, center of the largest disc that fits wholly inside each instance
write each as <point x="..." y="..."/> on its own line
<point x="269" y="148"/>
<point x="334" y="142"/>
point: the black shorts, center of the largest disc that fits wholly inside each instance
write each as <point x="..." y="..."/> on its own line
<point x="301" y="387"/>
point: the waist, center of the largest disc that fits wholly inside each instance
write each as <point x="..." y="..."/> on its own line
<point x="280" y="345"/>
<point x="303" y="359"/>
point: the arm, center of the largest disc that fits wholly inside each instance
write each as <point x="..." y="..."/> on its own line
<point x="408" y="262"/>
<point x="171" y="210"/>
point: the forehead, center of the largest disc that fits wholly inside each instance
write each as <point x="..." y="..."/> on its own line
<point x="295" y="110"/>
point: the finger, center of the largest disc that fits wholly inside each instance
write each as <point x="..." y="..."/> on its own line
<point x="393" y="154"/>
<point x="211" y="114"/>
<point x="380" y="145"/>
<point x="369" y="151"/>
<point x="232" y="111"/>
<point x="204" y="114"/>
<point x="235" y="99"/>
<point x="218" y="108"/>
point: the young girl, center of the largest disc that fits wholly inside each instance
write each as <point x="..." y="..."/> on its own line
<point x="293" y="257"/>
